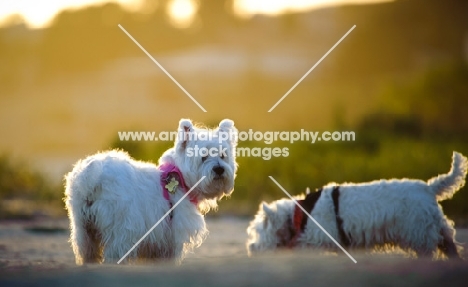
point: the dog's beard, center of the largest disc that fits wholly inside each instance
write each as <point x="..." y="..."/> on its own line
<point x="285" y="234"/>
<point x="271" y="230"/>
<point x="215" y="188"/>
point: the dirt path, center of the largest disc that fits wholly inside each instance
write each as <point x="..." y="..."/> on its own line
<point x="38" y="254"/>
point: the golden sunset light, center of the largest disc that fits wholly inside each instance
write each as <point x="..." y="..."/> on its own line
<point x="233" y="142"/>
<point x="272" y="7"/>
<point x="40" y="14"/>
<point x="182" y="12"/>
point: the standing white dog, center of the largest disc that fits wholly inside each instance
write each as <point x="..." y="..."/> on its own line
<point x="113" y="200"/>
<point x="380" y="214"/>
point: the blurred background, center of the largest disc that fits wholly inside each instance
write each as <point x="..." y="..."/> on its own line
<point x="70" y="79"/>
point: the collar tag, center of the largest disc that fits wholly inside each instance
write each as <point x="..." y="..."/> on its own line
<point x="172" y="185"/>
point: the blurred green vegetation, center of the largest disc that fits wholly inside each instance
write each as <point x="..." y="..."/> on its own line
<point x="432" y="103"/>
<point x="25" y="192"/>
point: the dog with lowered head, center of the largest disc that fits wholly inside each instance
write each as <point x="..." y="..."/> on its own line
<point x="382" y="214"/>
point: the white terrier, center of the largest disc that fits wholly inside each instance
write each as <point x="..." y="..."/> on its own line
<point x="378" y="215"/>
<point x="113" y="200"/>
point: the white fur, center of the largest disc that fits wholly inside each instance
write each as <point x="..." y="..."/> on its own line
<point x="113" y="200"/>
<point x="377" y="215"/>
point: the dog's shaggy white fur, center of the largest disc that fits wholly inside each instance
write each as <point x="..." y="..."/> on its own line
<point x="113" y="200"/>
<point x="377" y="215"/>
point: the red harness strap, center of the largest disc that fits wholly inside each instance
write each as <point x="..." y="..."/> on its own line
<point x="299" y="218"/>
<point x="299" y="222"/>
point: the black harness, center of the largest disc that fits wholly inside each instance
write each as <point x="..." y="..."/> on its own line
<point x="308" y="204"/>
<point x="299" y="220"/>
<point x="339" y="221"/>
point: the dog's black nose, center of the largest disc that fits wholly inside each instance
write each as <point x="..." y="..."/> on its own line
<point x="219" y="170"/>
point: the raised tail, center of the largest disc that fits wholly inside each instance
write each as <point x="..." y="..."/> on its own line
<point x="444" y="186"/>
<point x="83" y="181"/>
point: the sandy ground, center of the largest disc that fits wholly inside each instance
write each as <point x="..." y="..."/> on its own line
<point x="38" y="254"/>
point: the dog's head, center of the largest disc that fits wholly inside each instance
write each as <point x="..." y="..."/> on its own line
<point x="271" y="227"/>
<point x="199" y="152"/>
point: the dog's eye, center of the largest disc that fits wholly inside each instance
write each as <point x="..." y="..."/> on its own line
<point x="204" y="158"/>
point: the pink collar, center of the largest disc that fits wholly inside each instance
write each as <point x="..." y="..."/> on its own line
<point x="169" y="172"/>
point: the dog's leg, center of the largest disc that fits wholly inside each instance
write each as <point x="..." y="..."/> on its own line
<point x="151" y="252"/>
<point x="85" y="238"/>
<point x="92" y="249"/>
<point x="86" y="241"/>
<point x="423" y="253"/>
<point x="447" y="246"/>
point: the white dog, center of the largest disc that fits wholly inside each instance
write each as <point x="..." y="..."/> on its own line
<point x="378" y="215"/>
<point x="113" y="200"/>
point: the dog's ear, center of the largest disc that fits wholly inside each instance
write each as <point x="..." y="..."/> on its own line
<point x="227" y="126"/>
<point x="268" y="211"/>
<point x="185" y="128"/>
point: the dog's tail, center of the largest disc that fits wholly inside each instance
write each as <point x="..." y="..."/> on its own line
<point x="84" y="181"/>
<point x="444" y="186"/>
